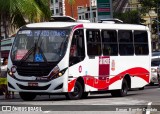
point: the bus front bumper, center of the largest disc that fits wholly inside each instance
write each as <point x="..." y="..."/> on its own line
<point x="52" y="86"/>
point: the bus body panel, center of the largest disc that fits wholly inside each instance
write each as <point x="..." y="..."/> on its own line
<point x="95" y="79"/>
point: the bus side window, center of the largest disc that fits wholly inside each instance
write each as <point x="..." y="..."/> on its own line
<point x="109" y="42"/>
<point x="93" y="42"/>
<point x="125" y="42"/>
<point x="141" y="43"/>
<point x="77" y="49"/>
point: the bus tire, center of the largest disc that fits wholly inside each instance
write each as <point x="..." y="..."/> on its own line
<point x="84" y="95"/>
<point x="77" y="93"/>
<point x="122" y="92"/>
<point x="27" y="96"/>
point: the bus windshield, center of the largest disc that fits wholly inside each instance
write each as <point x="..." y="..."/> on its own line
<point x="40" y="45"/>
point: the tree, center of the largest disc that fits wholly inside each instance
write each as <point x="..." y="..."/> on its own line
<point x="148" y="5"/>
<point x="131" y="17"/>
<point x="15" y="13"/>
<point x="72" y="2"/>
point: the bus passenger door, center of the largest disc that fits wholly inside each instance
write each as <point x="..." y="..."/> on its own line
<point x="77" y="56"/>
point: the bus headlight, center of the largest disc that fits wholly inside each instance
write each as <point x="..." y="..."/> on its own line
<point x="10" y="73"/>
<point x="13" y="69"/>
<point x="60" y="74"/>
<point x="56" y="73"/>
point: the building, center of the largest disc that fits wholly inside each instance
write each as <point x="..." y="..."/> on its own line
<point x="72" y="10"/>
<point x="87" y="14"/>
<point x="80" y="9"/>
<point x="149" y="18"/>
<point x="57" y="7"/>
<point x="5" y="47"/>
<point x="119" y="6"/>
<point x="62" y="7"/>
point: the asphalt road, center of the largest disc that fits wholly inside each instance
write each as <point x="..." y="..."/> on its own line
<point x="136" y="102"/>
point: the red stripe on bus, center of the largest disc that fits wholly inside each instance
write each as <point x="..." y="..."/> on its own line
<point x="78" y="26"/>
<point x="104" y="84"/>
<point x="71" y="85"/>
<point x="96" y="83"/>
<point x="138" y="72"/>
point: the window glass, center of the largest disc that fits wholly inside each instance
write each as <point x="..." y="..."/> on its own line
<point x="77" y="50"/>
<point x="109" y="42"/>
<point x="50" y="45"/>
<point x="140" y="36"/>
<point x="125" y="42"/>
<point x="57" y="11"/>
<point x="86" y="15"/>
<point x="93" y="42"/>
<point x="141" y="43"/>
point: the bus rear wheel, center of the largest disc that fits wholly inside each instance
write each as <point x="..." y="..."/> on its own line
<point x="27" y="96"/>
<point x="77" y="93"/>
<point x="122" y="92"/>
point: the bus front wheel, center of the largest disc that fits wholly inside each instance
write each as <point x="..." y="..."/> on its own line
<point x="122" y="92"/>
<point x="27" y="96"/>
<point x="77" y="93"/>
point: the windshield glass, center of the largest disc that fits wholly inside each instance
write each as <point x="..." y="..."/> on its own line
<point x="40" y="45"/>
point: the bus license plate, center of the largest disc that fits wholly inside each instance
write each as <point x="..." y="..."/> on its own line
<point x="32" y="84"/>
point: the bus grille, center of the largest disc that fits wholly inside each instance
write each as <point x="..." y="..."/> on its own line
<point x="34" y="71"/>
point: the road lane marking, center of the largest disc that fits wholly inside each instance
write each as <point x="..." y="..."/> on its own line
<point x="148" y="107"/>
<point x="46" y="111"/>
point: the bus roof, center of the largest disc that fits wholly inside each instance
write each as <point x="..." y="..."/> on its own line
<point x="88" y="25"/>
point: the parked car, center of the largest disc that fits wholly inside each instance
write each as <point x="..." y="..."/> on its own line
<point x="155" y="62"/>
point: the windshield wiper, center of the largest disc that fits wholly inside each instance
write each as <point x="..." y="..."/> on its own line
<point x="40" y="51"/>
<point x="26" y="56"/>
<point x="34" y="50"/>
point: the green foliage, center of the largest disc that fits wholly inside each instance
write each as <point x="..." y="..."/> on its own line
<point x="147" y="5"/>
<point x="17" y="11"/>
<point x="154" y="27"/>
<point x="131" y="17"/>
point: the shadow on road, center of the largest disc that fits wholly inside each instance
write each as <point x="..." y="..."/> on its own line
<point x="133" y="92"/>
